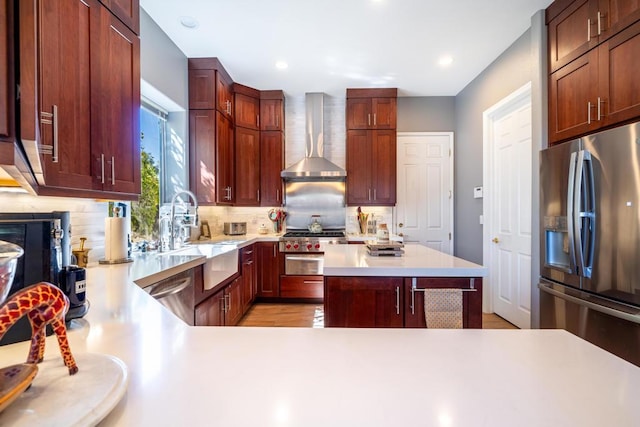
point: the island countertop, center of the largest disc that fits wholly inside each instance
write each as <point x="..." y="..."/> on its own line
<point x="182" y="375"/>
<point x="417" y="261"/>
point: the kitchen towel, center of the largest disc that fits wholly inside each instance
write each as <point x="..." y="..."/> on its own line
<point x="116" y="238"/>
<point x="443" y="308"/>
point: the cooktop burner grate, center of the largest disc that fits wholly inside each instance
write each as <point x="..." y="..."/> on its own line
<point x="299" y="234"/>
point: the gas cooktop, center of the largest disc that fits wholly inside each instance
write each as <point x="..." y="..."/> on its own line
<point x="322" y="234"/>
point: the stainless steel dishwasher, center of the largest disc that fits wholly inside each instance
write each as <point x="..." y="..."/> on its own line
<point x="177" y="294"/>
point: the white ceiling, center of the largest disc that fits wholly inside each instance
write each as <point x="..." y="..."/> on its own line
<point x="330" y="45"/>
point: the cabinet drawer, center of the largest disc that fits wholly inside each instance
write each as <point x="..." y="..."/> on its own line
<point x="301" y="287"/>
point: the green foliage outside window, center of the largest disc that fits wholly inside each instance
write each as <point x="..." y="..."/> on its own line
<point x="144" y="212"/>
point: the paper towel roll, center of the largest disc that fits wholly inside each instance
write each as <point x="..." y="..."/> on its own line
<point x="116" y="232"/>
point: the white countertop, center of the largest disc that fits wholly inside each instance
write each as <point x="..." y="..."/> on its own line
<point x="417" y="261"/>
<point x="181" y="375"/>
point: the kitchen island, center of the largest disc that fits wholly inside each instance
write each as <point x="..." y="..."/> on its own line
<point x="362" y="290"/>
<point x="182" y="375"/>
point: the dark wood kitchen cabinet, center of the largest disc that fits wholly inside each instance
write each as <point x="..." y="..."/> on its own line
<point x="225" y="175"/>
<point x="575" y="27"/>
<point x="269" y="269"/>
<point x="233" y="308"/>
<point x="249" y="276"/>
<point x="247" y="168"/>
<point x="210" y="312"/>
<point x="594" y="46"/>
<point x="210" y="86"/>
<point x="363" y="302"/>
<point x="6" y="71"/>
<point x="127" y="11"/>
<point x="414" y="316"/>
<point x="224" y="94"/>
<point x="246" y="107"/>
<point x="202" y="154"/>
<point x="271" y="110"/>
<point x="272" y="163"/>
<point x="371" y="167"/>
<point x="86" y="84"/>
<point x="371" y="108"/>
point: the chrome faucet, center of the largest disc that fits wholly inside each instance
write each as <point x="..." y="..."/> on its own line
<point x="175" y="226"/>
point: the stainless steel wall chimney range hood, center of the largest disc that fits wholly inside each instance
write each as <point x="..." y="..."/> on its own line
<point x="314" y="166"/>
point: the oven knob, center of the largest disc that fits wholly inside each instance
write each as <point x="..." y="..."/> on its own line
<point x="317" y="246"/>
<point x="309" y="246"/>
<point x="296" y="246"/>
<point x="288" y="246"/>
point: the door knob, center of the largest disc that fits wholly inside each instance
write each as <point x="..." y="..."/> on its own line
<point x="401" y="225"/>
<point x="401" y="234"/>
<point x="495" y="240"/>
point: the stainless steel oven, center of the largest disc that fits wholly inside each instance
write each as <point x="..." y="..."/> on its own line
<point x="303" y="264"/>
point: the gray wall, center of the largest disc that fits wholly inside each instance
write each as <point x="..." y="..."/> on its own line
<point x="426" y="114"/>
<point x="508" y="72"/>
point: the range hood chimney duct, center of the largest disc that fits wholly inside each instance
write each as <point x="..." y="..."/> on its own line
<point x="314" y="166"/>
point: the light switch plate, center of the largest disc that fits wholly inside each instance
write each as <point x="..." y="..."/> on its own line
<point x="477" y="192"/>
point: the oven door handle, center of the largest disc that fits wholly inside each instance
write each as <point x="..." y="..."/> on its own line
<point x="166" y="291"/>
<point x="304" y="257"/>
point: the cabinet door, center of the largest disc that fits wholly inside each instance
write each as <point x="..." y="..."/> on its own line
<point x="272" y="163"/>
<point x="268" y="269"/>
<point x="359" y="150"/>
<point x="202" y="89"/>
<point x="210" y="312"/>
<point x="359" y="113"/>
<point x="224" y="175"/>
<point x="302" y="287"/>
<point x="202" y="154"/>
<point x="414" y="315"/>
<point x="247" y="148"/>
<point x="246" y="112"/>
<point x="248" y="277"/>
<point x="619" y="87"/>
<point x="271" y="114"/>
<point x="6" y="103"/>
<point x="233" y="294"/>
<point x="128" y="11"/>
<point x="67" y="61"/>
<point x="363" y="302"/>
<point x="384" y="112"/>
<point x="383" y="162"/>
<point x="119" y="106"/>
<point x="573" y="98"/>
<point x="224" y="95"/>
<point x="616" y="15"/>
<point x="572" y="33"/>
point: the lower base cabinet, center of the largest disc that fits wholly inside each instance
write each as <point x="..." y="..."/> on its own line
<point x="390" y="302"/>
<point x="210" y="312"/>
<point x="301" y="287"/>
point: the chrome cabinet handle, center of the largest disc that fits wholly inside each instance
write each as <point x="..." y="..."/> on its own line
<point x="113" y="170"/>
<point x="258" y="194"/>
<point x="369" y="197"/>
<point x="101" y="168"/>
<point x="374" y="119"/>
<point x="274" y="250"/>
<point x="258" y="120"/>
<point x="599" y="23"/>
<point x="599" y="108"/>
<point x="588" y="30"/>
<point x="368" y="119"/>
<point x="47" y="118"/>
<point x="589" y="112"/>
<point x="277" y="195"/>
<point x="414" y="284"/>
<point x="398" y="300"/>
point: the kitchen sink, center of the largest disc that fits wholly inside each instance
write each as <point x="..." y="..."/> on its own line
<point x="222" y="260"/>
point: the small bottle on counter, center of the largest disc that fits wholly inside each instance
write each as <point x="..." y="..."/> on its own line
<point x="382" y="234"/>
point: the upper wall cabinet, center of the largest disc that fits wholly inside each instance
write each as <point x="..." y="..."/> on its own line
<point x="271" y="110"/>
<point x="247" y="106"/>
<point x="371" y="108"/>
<point x="127" y="11"/>
<point x="210" y="86"/>
<point x="80" y="97"/>
<point x="594" y="46"/>
<point x="6" y="96"/>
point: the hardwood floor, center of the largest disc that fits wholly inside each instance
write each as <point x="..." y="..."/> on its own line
<point x="311" y="315"/>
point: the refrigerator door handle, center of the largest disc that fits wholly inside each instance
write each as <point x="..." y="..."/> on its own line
<point x="583" y="213"/>
<point x="631" y="317"/>
<point x="570" y="211"/>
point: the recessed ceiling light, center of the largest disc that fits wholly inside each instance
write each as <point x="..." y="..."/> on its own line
<point x="189" y="22"/>
<point x="445" y="61"/>
<point x="281" y="65"/>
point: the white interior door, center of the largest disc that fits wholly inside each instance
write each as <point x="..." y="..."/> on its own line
<point x="424" y="210"/>
<point x="508" y="207"/>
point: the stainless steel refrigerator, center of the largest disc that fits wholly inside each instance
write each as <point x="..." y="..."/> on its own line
<point x="590" y="239"/>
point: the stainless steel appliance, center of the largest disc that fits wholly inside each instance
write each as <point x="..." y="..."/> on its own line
<point x="46" y="241"/>
<point x="177" y="294"/>
<point x="234" y="228"/>
<point x="303" y="250"/>
<point x="590" y="239"/>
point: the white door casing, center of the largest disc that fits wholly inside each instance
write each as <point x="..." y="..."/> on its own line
<point x="424" y="210"/>
<point x="507" y="207"/>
